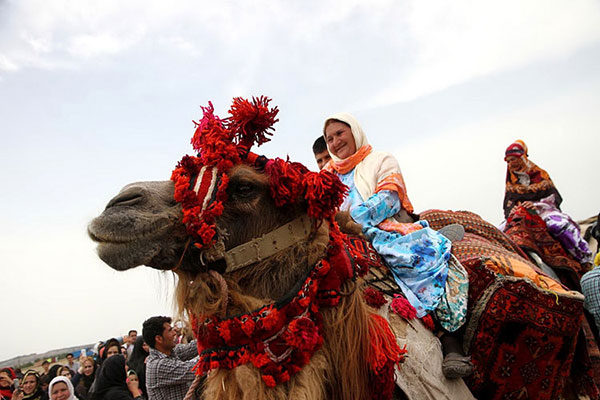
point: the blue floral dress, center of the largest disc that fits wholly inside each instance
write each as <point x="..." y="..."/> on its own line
<point x="418" y="260"/>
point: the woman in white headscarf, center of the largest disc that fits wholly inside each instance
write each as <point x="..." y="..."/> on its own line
<point x="418" y="256"/>
<point x="61" y="388"/>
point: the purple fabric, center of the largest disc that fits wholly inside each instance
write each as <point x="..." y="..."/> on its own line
<point x="564" y="229"/>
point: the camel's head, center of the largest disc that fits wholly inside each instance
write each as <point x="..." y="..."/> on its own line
<point x="214" y="202"/>
<point x="140" y="226"/>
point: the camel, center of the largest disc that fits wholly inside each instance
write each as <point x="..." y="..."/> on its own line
<point x="230" y="275"/>
<point x="142" y="226"/>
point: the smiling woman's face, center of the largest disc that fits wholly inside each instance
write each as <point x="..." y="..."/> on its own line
<point x="88" y="368"/>
<point x="340" y="141"/>
<point x="60" y="391"/>
<point x="29" y="384"/>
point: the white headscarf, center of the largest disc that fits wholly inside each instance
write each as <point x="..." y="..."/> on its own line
<point x="375" y="167"/>
<point x="67" y="382"/>
<point x="360" y="139"/>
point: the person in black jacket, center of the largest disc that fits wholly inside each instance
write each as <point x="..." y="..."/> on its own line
<point x="112" y="382"/>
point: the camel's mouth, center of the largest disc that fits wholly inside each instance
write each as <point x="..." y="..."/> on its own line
<point x="101" y="236"/>
<point x="123" y="249"/>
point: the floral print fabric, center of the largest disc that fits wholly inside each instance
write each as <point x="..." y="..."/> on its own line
<point x="418" y="260"/>
<point x="562" y="228"/>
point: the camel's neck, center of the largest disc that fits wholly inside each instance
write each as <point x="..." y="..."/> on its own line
<point x="274" y="277"/>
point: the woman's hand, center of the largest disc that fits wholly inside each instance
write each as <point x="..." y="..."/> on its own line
<point x="18" y="395"/>
<point x="134" y="387"/>
<point x="347" y="224"/>
<point x="528" y="205"/>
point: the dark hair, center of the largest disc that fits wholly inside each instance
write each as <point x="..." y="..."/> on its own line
<point x="69" y="354"/>
<point x="45" y="362"/>
<point x="54" y="371"/>
<point x="153" y="327"/>
<point x="131" y="330"/>
<point x="8" y="372"/>
<point x="112" y="342"/>
<point x="319" y="145"/>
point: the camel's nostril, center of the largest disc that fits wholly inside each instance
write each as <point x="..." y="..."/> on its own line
<point x="126" y="199"/>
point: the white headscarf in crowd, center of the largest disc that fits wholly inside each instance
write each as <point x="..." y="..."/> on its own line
<point x="67" y="382"/>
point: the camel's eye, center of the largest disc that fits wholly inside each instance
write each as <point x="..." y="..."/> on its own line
<point x="244" y="190"/>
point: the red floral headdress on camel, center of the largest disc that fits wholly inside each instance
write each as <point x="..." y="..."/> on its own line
<point x="201" y="182"/>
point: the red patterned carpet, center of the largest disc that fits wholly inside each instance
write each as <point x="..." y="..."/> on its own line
<point x="523" y="334"/>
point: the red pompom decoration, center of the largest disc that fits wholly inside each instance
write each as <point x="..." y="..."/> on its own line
<point x="402" y="307"/>
<point x="303" y="334"/>
<point x="428" y="322"/>
<point x="374" y="297"/>
<point x="287" y="181"/>
<point x="324" y="193"/>
<point x="252" y="121"/>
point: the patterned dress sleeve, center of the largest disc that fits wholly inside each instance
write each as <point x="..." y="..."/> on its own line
<point x="376" y="209"/>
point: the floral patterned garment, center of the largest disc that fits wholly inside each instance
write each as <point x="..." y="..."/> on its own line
<point x="418" y="260"/>
<point x="564" y="229"/>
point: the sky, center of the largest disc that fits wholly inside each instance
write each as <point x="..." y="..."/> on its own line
<point x="95" y="95"/>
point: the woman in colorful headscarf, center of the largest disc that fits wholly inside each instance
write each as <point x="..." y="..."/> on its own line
<point x="417" y="255"/>
<point x="531" y="187"/>
<point x="32" y="386"/>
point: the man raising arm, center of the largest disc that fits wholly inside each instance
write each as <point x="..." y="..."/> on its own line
<point x="169" y="366"/>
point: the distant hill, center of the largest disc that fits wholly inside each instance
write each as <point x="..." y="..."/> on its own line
<point x="30" y="359"/>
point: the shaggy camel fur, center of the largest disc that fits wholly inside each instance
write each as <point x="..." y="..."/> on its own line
<point x="142" y="226"/>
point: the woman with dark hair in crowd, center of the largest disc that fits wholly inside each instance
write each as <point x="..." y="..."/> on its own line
<point x="111" y="347"/>
<point x="64" y="370"/>
<point x="83" y="380"/>
<point x="112" y="382"/>
<point x="53" y="372"/>
<point x="32" y="386"/>
<point x="137" y="361"/>
<point x="61" y="388"/>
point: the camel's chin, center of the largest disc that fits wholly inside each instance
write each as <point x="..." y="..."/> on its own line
<point x="124" y="256"/>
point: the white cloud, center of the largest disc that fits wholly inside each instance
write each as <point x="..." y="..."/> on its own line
<point x="457" y="41"/>
<point x="463" y="168"/>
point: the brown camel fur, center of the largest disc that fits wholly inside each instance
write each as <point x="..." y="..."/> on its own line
<point x="141" y="226"/>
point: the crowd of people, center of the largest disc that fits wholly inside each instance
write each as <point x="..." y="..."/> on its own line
<point x="117" y="369"/>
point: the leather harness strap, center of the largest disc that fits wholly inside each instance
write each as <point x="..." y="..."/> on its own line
<point x="268" y="244"/>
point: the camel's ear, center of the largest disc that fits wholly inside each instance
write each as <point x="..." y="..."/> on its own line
<point x="324" y="192"/>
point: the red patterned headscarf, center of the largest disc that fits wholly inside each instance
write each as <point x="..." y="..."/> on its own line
<point x="528" y="182"/>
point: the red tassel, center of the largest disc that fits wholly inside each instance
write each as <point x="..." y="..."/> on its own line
<point x="287" y="183"/>
<point x="324" y="193"/>
<point x="384" y="354"/>
<point x="402" y="307"/>
<point x="374" y="298"/>
<point x="252" y="121"/>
